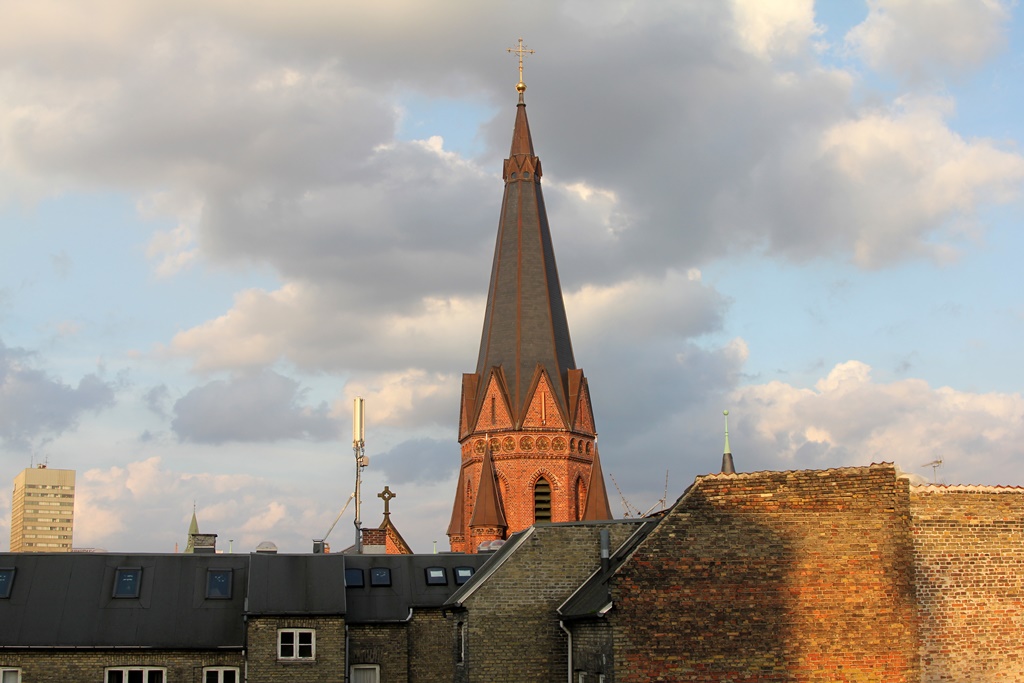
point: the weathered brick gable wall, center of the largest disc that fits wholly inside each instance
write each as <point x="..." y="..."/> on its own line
<point x="511" y="619"/>
<point x="264" y="666"/>
<point x="431" y="647"/>
<point x="969" y="578"/>
<point x="89" y="665"/>
<point x="771" y="577"/>
<point x="593" y="651"/>
<point x="385" y="645"/>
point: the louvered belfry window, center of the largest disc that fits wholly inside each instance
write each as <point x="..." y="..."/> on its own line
<point x="542" y="501"/>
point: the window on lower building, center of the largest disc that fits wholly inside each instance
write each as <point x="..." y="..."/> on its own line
<point x="296" y="643"/>
<point x="136" y="674"/>
<point x="10" y="675"/>
<point x="364" y="673"/>
<point x="460" y="651"/>
<point x="220" y="674"/>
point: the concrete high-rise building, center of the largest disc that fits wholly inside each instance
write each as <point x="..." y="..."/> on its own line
<point x="43" y="510"/>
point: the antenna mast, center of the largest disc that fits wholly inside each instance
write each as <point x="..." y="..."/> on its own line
<point x="935" y="465"/>
<point x="359" y="450"/>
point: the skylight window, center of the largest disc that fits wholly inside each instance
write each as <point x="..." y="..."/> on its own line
<point x="6" y="581"/>
<point x="436" y="576"/>
<point x="354" y="578"/>
<point x="380" y="576"/>
<point x="462" y="575"/>
<point x="127" y="582"/>
<point x="218" y="584"/>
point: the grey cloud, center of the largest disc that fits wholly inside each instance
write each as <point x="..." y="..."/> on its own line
<point x="156" y="399"/>
<point x="35" y="405"/>
<point x="289" y="145"/>
<point x="921" y="42"/>
<point x="424" y="461"/>
<point x="257" y="407"/>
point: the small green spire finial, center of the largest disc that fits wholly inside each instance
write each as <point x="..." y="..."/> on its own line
<point x="727" y="465"/>
<point x="726" y="413"/>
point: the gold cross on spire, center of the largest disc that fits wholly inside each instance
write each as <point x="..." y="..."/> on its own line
<point x="520" y="50"/>
<point x="387" y="495"/>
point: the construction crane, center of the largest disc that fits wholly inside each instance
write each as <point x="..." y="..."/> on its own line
<point x="935" y="465"/>
<point x="630" y="510"/>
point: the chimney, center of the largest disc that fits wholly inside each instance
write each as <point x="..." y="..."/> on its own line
<point x="204" y="543"/>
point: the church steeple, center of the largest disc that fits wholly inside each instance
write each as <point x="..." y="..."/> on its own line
<point x="529" y="445"/>
<point x="525" y="326"/>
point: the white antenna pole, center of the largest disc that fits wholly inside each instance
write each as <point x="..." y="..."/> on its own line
<point x="359" y="449"/>
<point x="935" y="465"/>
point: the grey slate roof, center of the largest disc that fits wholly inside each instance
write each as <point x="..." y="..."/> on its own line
<point x="408" y="590"/>
<point x="66" y="600"/>
<point x="296" y="584"/>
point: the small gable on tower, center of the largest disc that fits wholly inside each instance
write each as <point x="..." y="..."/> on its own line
<point x="542" y="411"/>
<point x="493" y="411"/>
<point x="583" y="416"/>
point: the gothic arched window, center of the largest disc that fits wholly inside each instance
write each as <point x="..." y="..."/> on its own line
<point x="542" y="501"/>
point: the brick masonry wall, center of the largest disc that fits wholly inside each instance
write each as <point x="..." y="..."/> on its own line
<point x="89" y="665"/>
<point x="593" y="649"/>
<point x="431" y="647"/>
<point x="386" y="645"/>
<point x="327" y="667"/>
<point x="512" y="625"/>
<point x="771" y="577"/>
<point x="969" y="578"/>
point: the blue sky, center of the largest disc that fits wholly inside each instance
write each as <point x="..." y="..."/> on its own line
<point x="222" y="223"/>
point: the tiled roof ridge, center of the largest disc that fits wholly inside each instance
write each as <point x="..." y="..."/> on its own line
<point x="829" y="470"/>
<point x="969" y="488"/>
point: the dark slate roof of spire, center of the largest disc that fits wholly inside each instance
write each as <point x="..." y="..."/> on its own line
<point x="525" y="324"/>
<point x="488" y="510"/>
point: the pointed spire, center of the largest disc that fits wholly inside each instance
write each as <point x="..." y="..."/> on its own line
<point x="727" y="465"/>
<point x="525" y="323"/>
<point x="455" y="527"/>
<point x="597" y="508"/>
<point x="193" y="529"/>
<point x="487" y="511"/>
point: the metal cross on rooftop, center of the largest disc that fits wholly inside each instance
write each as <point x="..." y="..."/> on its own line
<point x="520" y="50"/>
<point x="387" y="495"/>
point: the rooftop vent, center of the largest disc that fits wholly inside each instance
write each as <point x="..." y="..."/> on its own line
<point x="267" y="548"/>
<point x="204" y="543"/>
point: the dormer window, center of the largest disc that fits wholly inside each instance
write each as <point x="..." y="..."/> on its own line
<point x="127" y="581"/>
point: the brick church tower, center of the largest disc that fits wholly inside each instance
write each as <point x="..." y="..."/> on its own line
<point x="529" y="445"/>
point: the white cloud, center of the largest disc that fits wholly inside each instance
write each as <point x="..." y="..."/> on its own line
<point x="316" y="328"/>
<point x="848" y="418"/>
<point x="917" y="40"/>
<point x="906" y="172"/>
<point x="775" y="28"/>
